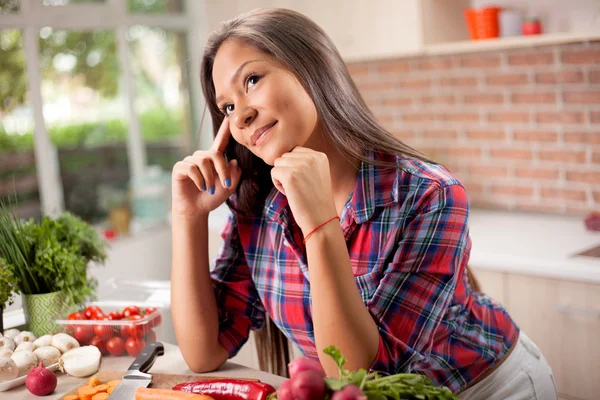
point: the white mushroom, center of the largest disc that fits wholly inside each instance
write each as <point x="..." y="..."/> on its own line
<point x="24" y="336"/>
<point x="11" y="333"/>
<point x="64" y="342"/>
<point x="6" y="353"/>
<point x="7" y="343"/>
<point x="25" y="346"/>
<point x="42" y="341"/>
<point x="25" y="360"/>
<point x="48" y="355"/>
<point x="8" y="369"/>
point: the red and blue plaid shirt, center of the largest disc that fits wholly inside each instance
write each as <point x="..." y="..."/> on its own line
<point x="408" y="240"/>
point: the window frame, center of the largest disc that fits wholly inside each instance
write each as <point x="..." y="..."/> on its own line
<point x="110" y="15"/>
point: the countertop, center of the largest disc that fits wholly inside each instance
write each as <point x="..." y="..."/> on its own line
<point x="170" y="363"/>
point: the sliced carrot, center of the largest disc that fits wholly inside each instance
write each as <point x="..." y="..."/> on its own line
<point x="110" y="389"/>
<point x="164" y="394"/>
<point x="71" y="397"/>
<point x="94" y="381"/>
<point x="101" y="396"/>
<point x="86" y="392"/>
<point x="102" y="388"/>
<point x="114" y="383"/>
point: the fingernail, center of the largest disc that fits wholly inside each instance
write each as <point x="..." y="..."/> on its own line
<point x="203" y="188"/>
<point x="211" y="190"/>
<point x="237" y="165"/>
<point x="227" y="182"/>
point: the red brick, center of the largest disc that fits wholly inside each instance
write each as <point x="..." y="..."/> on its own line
<point x="589" y="56"/>
<point x="536" y="136"/>
<point x="539" y="207"/>
<point x="484" y="98"/>
<point x="563" y="194"/>
<point x="423" y="117"/>
<point x="461" y="117"/>
<point x="467" y="81"/>
<point x="560" y="117"/>
<point x="582" y="97"/>
<point x="480" y="62"/>
<point x="447" y="99"/>
<point x="445" y="134"/>
<point x="393" y="67"/>
<point x="435" y="64"/>
<point x="594" y="76"/>
<point x="595" y="158"/>
<point x="486" y="135"/>
<point x="488" y="171"/>
<point x="592" y="177"/>
<point x="358" y="69"/>
<point x="512" y="154"/>
<point x="371" y="86"/>
<point x="565" y="156"/>
<point x="397" y="101"/>
<point x="587" y="138"/>
<point x="512" y="190"/>
<point x="414" y="83"/>
<point x="533" y="98"/>
<point x="508" y="117"/>
<point x="385" y="120"/>
<point x="559" y="77"/>
<point x="595" y="117"/>
<point x="531" y="59"/>
<point x="404" y="135"/>
<point x="596" y="196"/>
<point x="537" y="173"/>
<point x="507" y="79"/>
<point x="464" y="152"/>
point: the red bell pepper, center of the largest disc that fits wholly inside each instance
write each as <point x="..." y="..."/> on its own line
<point x="228" y="389"/>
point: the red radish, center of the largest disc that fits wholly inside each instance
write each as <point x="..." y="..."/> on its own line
<point x="308" y="385"/>
<point x="41" y="381"/>
<point x="305" y="364"/>
<point x="349" y="392"/>
<point x="285" y="391"/>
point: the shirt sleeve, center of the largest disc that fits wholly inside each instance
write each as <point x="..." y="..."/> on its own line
<point x="239" y="306"/>
<point x="418" y="284"/>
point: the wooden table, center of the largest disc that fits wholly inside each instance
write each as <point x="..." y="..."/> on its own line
<point x="170" y="363"/>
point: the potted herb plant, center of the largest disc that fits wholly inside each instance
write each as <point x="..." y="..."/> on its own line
<point x="48" y="261"/>
<point x="7" y="288"/>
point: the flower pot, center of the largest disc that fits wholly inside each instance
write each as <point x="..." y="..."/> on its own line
<point x="41" y="310"/>
<point x="119" y="220"/>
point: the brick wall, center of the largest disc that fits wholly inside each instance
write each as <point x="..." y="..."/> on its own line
<point x="520" y="128"/>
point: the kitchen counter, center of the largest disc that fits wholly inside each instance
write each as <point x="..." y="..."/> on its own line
<point x="170" y="363"/>
<point x="533" y="244"/>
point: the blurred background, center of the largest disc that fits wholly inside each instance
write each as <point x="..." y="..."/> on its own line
<point x="99" y="98"/>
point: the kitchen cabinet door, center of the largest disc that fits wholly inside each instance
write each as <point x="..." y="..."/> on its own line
<point x="563" y="319"/>
<point x="492" y="283"/>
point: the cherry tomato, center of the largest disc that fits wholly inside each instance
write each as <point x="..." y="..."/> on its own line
<point x="98" y="315"/>
<point x="84" y="333"/>
<point x="90" y="311"/>
<point x="150" y="336"/>
<point x="104" y="332"/>
<point x="123" y="332"/>
<point x="76" y="316"/>
<point x="137" y="330"/>
<point x="115" y="346"/>
<point x="130" y="311"/>
<point x="114" y="316"/>
<point x="155" y="320"/>
<point x="134" y="346"/>
<point x="99" y="343"/>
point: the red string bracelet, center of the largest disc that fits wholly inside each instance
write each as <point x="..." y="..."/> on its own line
<point x="320" y="226"/>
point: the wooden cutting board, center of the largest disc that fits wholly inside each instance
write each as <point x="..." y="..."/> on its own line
<point x="159" y="381"/>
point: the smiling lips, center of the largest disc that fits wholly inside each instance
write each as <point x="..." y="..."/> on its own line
<point x="259" y="132"/>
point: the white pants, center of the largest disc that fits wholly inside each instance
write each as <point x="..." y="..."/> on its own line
<point x="524" y="375"/>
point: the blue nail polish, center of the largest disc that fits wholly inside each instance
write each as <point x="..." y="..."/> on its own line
<point x="211" y="190"/>
<point x="203" y="188"/>
<point x="227" y="182"/>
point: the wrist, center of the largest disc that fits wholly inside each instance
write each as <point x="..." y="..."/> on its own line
<point x="184" y="220"/>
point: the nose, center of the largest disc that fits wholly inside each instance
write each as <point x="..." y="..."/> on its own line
<point x="244" y="117"/>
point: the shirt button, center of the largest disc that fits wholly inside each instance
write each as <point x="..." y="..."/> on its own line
<point x="286" y="243"/>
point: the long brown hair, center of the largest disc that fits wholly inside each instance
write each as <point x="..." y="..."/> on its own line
<point x="303" y="48"/>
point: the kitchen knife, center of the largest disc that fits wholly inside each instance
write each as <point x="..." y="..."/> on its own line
<point x="136" y="375"/>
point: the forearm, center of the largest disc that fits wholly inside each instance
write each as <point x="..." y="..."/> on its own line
<point x="193" y="302"/>
<point x="339" y="315"/>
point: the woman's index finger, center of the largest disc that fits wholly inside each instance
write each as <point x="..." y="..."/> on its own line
<point x="222" y="137"/>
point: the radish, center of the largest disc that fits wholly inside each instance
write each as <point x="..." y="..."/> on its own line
<point x="285" y="391"/>
<point x="308" y="385"/>
<point x="305" y="364"/>
<point x="41" y="381"/>
<point x="349" y="392"/>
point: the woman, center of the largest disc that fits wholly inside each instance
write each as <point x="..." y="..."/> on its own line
<point x="339" y="233"/>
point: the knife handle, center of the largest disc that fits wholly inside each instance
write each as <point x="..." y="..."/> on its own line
<point x="145" y="360"/>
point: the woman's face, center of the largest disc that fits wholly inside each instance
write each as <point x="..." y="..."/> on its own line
<point x="269" y="111"/>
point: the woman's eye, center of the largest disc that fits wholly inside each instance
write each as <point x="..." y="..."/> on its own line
<point x="253" y="80"/>
<point x="228" y="109"/>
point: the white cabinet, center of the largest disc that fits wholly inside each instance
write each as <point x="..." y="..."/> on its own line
<point x="364" y="29"/>
<point x="493" y="284"/>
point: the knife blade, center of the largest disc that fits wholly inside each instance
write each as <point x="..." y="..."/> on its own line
<point x="136" y="375"/>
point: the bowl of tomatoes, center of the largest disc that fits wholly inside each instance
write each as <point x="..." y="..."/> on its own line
<point x="115" y="329"/>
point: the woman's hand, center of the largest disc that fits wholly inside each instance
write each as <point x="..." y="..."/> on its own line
<point x="303" y="176"/>
<point x="203" y="181"/>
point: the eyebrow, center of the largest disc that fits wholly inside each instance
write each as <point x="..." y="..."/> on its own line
<point x="234" y="77"/>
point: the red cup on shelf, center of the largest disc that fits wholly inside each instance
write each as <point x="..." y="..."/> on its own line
<point x="482" y="23"/>
<point x="532" y="26"/>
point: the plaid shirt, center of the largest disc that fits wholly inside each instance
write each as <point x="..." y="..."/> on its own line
<point x="407" y="237"/>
